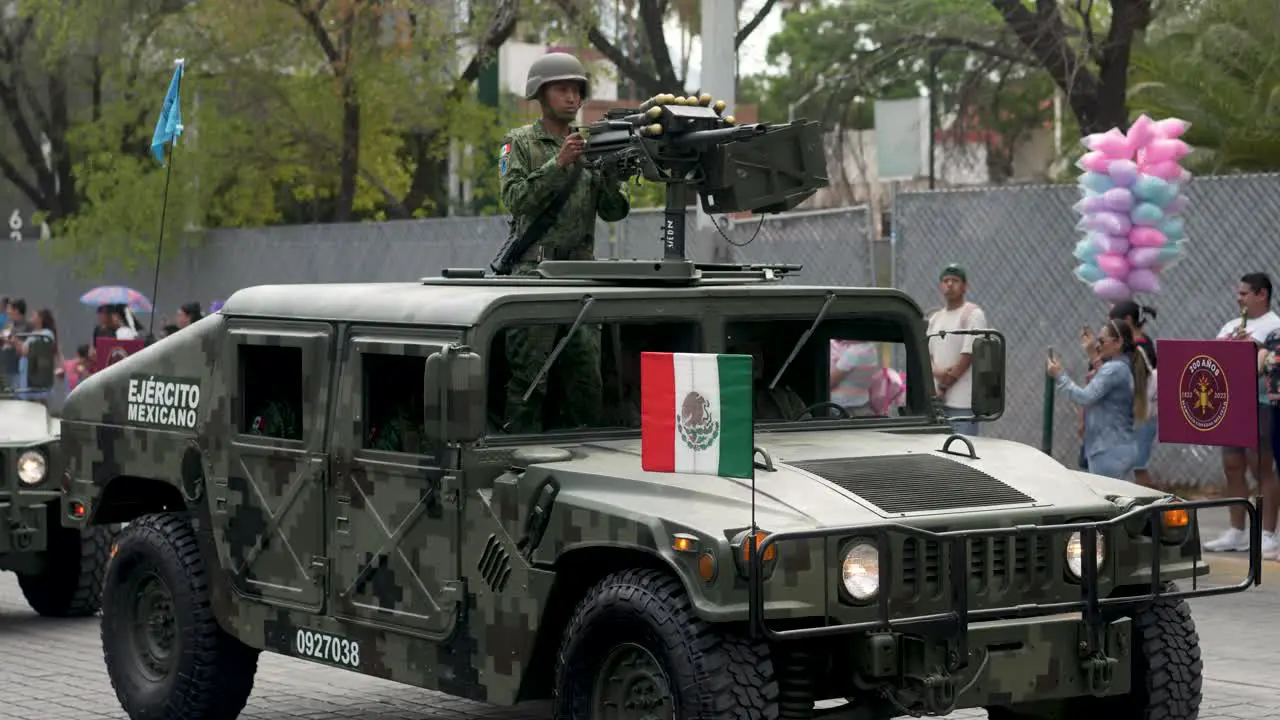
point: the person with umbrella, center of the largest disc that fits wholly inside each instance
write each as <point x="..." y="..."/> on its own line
<point x="121" y="303"/>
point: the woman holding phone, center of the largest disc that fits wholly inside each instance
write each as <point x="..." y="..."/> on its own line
<point x="1144" y="431"/>
<point x="1112" y="399"/>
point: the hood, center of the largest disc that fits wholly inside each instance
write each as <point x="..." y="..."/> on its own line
<point x="834" y="478"/>
<point x="24" y="423"/>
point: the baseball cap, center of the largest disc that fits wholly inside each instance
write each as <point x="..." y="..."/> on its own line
<point x="954" y="270"/>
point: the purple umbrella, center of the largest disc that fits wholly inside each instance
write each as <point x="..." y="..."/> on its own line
<point x="117" y="295"/>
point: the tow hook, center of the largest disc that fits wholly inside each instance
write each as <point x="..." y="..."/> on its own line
<point x="1098" y="671"/>
<point x="939" y="690"/>
<point x="22" y="537"/>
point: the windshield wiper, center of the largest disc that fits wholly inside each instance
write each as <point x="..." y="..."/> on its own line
<point x="587" y="302"/>
<point x="831" y="297"/>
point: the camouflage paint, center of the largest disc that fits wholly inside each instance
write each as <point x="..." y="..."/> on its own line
<point x="532" y="179"/>
<point x="424" y="560"/>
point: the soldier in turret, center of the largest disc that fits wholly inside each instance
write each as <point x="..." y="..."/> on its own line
<point x="555" y="199"/>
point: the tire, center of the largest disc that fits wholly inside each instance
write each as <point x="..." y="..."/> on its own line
<point x="193" y="669"/>
<point x="1167" y="671"/>
<point x="690" y="668"/>
<point x="71" y="583"/>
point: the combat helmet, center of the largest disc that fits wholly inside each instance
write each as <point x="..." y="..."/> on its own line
<point x="553" y="67"/>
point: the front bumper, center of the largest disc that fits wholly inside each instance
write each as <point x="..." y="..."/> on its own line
<point x="1009" y="662"/>
<point x="24" y="511"/>
<point x="1078" y="651"/>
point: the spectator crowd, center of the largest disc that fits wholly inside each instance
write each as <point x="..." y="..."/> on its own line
<point x="20" y="327"/>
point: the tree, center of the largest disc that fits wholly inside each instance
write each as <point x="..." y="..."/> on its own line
<point x="1083" y="46"/>
<point x="836" y="59"/>
<point x="295" y="111"/>
<point x="648" y="63"/>
<point x="1218" y="67"/>
<point x="59" y="64"/>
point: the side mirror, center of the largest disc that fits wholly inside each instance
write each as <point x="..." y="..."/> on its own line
<point x="454" y="385"/>
<point x="988" y="376"/>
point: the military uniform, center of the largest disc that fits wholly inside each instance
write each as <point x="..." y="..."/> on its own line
<point x="531" y="180"/>
<point x="780" y="403"/>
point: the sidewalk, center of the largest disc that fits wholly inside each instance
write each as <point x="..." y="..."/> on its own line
<point x="1213" y="522"/>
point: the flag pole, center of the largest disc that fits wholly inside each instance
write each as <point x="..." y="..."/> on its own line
<point x="164" y="206"/>
<point x="155" y="280"/>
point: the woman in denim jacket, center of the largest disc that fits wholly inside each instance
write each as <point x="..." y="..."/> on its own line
<point x="1112" y="399"/>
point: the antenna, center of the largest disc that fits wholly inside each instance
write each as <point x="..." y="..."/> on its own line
<point x="168" y="128"/>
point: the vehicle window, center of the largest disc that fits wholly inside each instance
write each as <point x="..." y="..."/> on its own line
<point x="392" y="392"/>
<point x="594" y="383"/>
<point x="857" y="364"/>
<point x="271" y="388"/>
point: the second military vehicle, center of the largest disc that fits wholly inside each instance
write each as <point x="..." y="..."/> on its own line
<point x="358" y="475"/>
<point x="59" y="569"/>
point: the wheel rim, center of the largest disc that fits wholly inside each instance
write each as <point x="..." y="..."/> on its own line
<point x="154" y="632"/>
<point x="631" y="685"/>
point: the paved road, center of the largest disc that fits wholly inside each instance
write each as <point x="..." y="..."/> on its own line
<point x="52" y="670"/>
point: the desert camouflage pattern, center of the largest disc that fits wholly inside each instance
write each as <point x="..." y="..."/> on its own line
<point x="454" y="566"/>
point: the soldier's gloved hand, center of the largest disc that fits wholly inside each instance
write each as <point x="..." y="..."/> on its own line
<point x="571" y="151"/>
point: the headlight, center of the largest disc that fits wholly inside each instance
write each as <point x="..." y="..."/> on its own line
<point x="1075" y="553"/>
<point x="31" y="467"/>
<point x="860" y="571"/>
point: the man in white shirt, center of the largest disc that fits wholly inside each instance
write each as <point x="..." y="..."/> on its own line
<point x="1254" y="296"/>
<point x="951" y="355"/>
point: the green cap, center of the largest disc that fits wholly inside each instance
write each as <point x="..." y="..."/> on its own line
<point x="954" y="270"/>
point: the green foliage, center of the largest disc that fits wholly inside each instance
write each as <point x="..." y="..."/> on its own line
<point x="834" y="60"/>
<point x="1218" y="68"/>
<point x="273" y="94"/>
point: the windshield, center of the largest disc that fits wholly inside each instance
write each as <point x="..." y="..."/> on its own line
<point x="847" y="368"/>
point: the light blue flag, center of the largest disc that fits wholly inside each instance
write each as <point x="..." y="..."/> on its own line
<point x="169" y="124"/>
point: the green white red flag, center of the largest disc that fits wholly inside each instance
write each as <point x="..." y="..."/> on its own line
<point x="695" y="414"/>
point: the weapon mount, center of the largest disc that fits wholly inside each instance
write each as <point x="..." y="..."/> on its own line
<point x="687" y="144"/>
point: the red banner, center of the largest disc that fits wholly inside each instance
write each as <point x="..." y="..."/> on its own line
<point x="111" y="350"/>
<point x="1208" y="392"/>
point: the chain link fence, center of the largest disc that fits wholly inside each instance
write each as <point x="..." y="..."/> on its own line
<point x="1016" y="244"/>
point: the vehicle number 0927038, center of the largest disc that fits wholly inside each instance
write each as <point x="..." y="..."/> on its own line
<point x="327" y="648"/>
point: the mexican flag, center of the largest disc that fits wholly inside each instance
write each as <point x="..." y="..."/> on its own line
<point x="695" y="414"/>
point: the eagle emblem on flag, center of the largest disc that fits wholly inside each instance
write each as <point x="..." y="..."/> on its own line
<point x="698" y="427"/>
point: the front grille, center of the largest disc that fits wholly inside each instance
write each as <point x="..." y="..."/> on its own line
<point x="914" y="483"/>
<point x="996" y="565"/>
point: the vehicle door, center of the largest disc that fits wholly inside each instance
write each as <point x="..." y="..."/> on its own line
<point x="269" y="504"/>
<point x="395" y="503"/>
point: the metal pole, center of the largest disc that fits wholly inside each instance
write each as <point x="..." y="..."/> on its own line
<point x="719" y="72"/>
<point x="933" y="113"/>
<point x="1046" y="417"/>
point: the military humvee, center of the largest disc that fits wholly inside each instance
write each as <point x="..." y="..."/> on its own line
<point x="59" y="569"/>
<point x="328" y="472"/>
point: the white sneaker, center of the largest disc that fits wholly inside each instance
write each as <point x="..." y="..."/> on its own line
<point x="1232" y="540"/>
<point x="1270" y="546"/>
